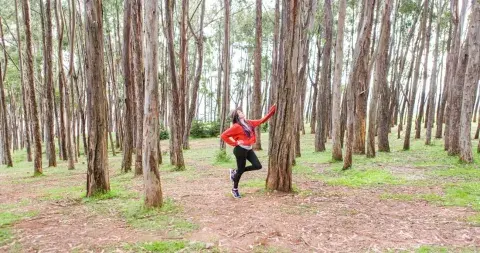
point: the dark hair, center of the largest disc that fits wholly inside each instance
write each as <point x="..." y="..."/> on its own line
<point x="236" y="120"/>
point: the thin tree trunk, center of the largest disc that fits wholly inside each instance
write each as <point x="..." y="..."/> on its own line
<point x="24" y="88"/>
<point x="413" y="95"/>
<point x="471" y="84"/>
<point x="151" y="176"/>
<point x="226" y="72"/>
<point x="357" y="81"/>
<point x="176" y="122"/>
<point x="196" y="81"/>
<point x="3" y="110"/>
<point x="323" y="91"/>
<point x="380" y="90"/>
<point x="50" y="145"/>
<point x="31" y="91"/>
<point x="139" y="81"/>
<point x="257" y="72"/>
<point x="337" y="82"/>
<point x="129" y="83"/>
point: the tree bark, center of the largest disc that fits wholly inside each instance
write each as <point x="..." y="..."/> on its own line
<point x="139" y="80"/>
<point x="472" y="77"/>
<point x="129" y="87"/>
<point x="226" y="72"/>
<point x="50" y="145"/>
<point x="413" y="94"/>
<point x="337" y="82"/>
<point x="323" y="94"/>
<point x="380" y="90"/>
<point x="151" y="176"/>
<point x="257" y="72"/>
<point x="31" y="91"/>
<point x="196" y="82"/>
<point x="433" y="89"/>
<point x="357" y="80"/>
<point x="97" y="173"/>
<point x="176" y="122"/>
<point x="3" y="110"/>
<point x="282" y="144"/>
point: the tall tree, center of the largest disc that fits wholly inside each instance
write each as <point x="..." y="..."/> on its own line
<point x="175" y="124"/>
<point x="413" y="94"/>
<point x="380" y="88"/>
<point x="3" y="110"/>
<point x="358" y="77"/>
<point x="183" y="67"/>
<point x="472" y="77"/>
<point x="196" y="82"/>
<point x="31" y="90"/>
<point x="22" y="84"/>
<point x="323" y="94"/>
<point x="282" y="144"/>
<point x="151" y="176"/>
<point x="433" y="86"/>
<point x="50" y="145"/>
<point x="139" y="80"/>
<point x="129" y="83"/>
<point x="337" y="81"/>
<point x="257" y="72"/>
<point x="226" y="72"/>
<point x="97" y="173"/>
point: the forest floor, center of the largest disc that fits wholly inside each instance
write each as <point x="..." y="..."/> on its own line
<point x="416" y="201"/>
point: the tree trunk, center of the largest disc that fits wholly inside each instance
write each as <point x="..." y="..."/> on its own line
<point x="418" y="124"/>
<point x="176" y="122"/>
<point x="322" y="104"/>
<point x="257" y="70"/>
<point x="413" y="95"/>
<point x="50" y="145"/>
<point x="282" y="144"/>
<point x="433" y="89"/>
<point x="357" y="81"/>
<point x="151" y="176"/>
<point x="24" y="88"/>
<point x="31" y="91"/>
<point x="471" y="84"/>
<point x="139" y="80"/>
<point x="226" y="73"/>
<point x="129" y="83"/>
<point x="380" y="90"/>
<point x="457" y="90"/>
<point x="3" y="110"/>
<point x="196" y="81"/>
<point x="97" y="173"/>
<point x="337" y="82"/>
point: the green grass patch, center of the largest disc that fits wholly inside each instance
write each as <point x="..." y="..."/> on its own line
<point x="463" y="194"/>
<point x="167" y="218"/>
<point x="68" y="192"/>
<point x="360" y="178"/>
<point x="253" y="183"/>
<point x="6" y="220"/>
<point x="442" y="249"/>
<point x="474" y="219"/>
<point x="269" y="249"/>
<point x="170" y="246"/>
<point x="467" y="172"/>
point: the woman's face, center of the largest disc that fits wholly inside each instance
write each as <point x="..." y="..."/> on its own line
<point x="240" y="114"/>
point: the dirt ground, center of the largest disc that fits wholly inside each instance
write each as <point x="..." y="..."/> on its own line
<point x="323" y="219"/>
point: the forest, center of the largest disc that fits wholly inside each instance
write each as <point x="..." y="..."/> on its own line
<point x="111" y="113"/>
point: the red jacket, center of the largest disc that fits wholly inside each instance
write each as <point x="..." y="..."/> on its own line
<point x="236" y="132"/>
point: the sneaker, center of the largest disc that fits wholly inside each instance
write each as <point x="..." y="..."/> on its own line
<point x="236" y="194"/>
<point x="232" y="174"/>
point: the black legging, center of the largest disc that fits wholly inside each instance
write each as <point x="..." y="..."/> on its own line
<point x="242" y="156"/>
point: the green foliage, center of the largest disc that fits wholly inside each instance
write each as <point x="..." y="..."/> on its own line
<point x="222" y="156"/>
<point x="204" y="129"/>
<point x="164" y="134"/>
<point x="409" y="7"/>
